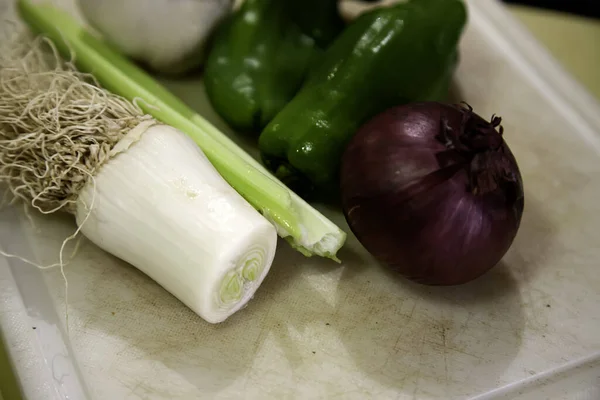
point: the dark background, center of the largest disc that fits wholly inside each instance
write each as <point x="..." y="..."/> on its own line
<point x="586" y="8"/>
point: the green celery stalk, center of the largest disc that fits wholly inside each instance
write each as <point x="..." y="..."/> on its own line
<point x="305" y="228"/>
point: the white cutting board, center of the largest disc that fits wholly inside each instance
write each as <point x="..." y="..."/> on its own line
<point x="318" y="330"/>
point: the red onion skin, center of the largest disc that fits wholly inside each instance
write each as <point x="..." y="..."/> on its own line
<point x="413" y="201"/>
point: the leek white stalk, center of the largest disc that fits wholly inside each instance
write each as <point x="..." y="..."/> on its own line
<point x="141" y="190"/>
<point x="161" y="206"/>
<point x="168" y="35"/>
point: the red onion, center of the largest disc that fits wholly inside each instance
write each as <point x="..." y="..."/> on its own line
<point x="433" y="191"/>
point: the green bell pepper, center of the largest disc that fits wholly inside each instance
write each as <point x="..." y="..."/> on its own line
<point x="388" y="56"/>
<point x="260" y="56"/>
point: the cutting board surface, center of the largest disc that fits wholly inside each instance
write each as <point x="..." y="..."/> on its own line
<point x="317" y="329"/>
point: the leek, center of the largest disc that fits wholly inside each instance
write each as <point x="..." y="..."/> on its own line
<point x="301" y="225"/>
<point x="141" y="190"/>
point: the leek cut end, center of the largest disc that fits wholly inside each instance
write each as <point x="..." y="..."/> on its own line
<point x="250" y="266"/>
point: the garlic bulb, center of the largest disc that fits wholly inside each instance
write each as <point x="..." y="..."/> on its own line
<point x="170" y="36"/>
